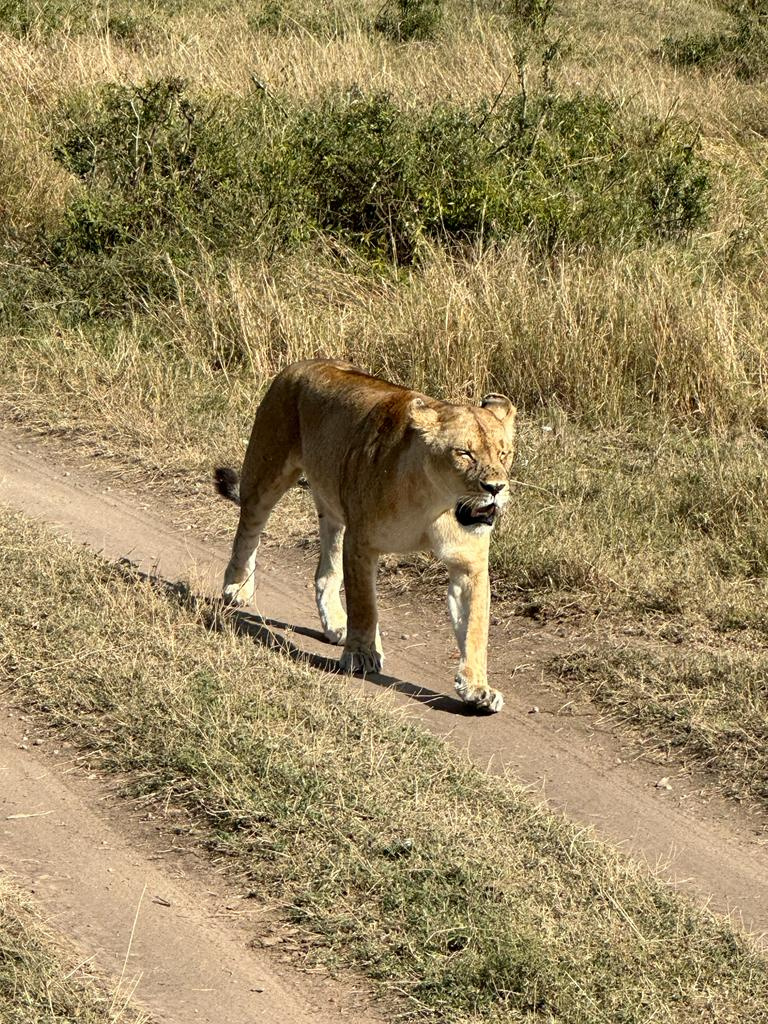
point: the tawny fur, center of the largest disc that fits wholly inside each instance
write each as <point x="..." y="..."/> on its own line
<point x="391" y="470"/>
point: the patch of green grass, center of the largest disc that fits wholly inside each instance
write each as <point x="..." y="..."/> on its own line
<point x="742" y="50"/>
<point x="443" y="884"/>
<point x="39" y="982"/>
<point x="709" y="707"/>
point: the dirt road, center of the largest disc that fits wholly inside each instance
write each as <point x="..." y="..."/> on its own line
<point x="710" y="849"/>
<point x="156" y="922"/>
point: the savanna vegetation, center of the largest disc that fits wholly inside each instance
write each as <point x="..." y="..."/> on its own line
<point x="387" y="850"/>
<point x="564" y="201"/>
<point x="43" y="983"/>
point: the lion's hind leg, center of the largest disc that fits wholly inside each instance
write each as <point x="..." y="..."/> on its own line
<point x="272" y="465"/>
<point x="328" y="578"/>
<point x="240" y="577"/>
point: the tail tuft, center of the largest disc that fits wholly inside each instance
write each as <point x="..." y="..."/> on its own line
<point x="227" y="483"/>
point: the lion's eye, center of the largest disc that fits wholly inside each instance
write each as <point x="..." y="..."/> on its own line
<point x="464" y="453"/>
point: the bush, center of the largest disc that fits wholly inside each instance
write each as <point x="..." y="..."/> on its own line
<point x="164" y="177"/>
<point x="410" y="19"/>
<point x="325" y="19"/>
<point x="743" y="50"/>
<point x="532" y="14"/>
<point x="562" y="171"/>
<point x="123" y="19"/>
<point x="23" y="17"/>
<point x="167" y="176"/>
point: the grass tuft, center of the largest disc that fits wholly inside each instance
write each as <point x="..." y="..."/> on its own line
<point x="710" y="707"/>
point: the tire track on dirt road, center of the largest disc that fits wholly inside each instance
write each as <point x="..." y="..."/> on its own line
<point x="148" y="918"/>
<point x="709" y="849"/>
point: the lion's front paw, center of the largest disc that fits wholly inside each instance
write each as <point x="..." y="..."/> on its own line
<point x="238" y="594"/>
<point x="360" y="658"/>
<point x="482" y="697"/>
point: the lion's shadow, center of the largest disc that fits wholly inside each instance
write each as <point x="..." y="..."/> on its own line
<point x="271" y="633"/>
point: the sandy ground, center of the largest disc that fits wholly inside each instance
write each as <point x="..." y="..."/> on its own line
<point x="90" y="866"/>
<point x="158" y="922"/>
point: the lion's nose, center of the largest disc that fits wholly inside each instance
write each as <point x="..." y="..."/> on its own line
<point x="493" y="486"/>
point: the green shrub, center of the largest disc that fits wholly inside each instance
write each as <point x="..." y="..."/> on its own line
<point x="532" y="14"/>
<point x="23" y="17"/>
<point x="742" y="50"/>
<point x="167" y="176"/>
<point x="563" y="171"/>
<point x="164" y="177"/>
<point x="410" y="19"/>
<point x="322" y="18"/>
<point x="123" y="19"/>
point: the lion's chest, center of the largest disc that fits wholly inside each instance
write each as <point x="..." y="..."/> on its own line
<point x="399" y="535"/>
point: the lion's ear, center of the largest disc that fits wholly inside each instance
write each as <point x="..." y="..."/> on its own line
<point x="500" y="406"/>
<point x="502" y="409"/>
<point x="423" y="416"/>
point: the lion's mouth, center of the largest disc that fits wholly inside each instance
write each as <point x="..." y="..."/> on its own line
<point x="474" y="513"/>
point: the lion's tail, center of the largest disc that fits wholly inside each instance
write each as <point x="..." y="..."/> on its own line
<point x="227" y="483"/>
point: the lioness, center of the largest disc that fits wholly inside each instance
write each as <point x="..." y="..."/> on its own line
<point x="390" y="470"/>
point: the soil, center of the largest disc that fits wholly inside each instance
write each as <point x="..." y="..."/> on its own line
<point x="90" y="862"/>
<point x="134" y="894"/>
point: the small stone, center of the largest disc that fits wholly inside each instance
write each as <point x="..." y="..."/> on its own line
<point x="534" y="710"/>
<point x="664" y="783"/>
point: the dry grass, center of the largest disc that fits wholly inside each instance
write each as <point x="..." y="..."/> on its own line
<point x="393" y="854"/>
<point x="706" y="708"/>
<point x="624" y="516"/>
<point x="40" y="983"/>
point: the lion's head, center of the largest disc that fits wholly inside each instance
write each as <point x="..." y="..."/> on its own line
<point x="471" y="451"/>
